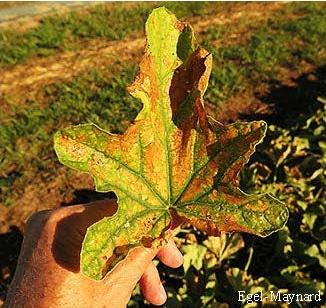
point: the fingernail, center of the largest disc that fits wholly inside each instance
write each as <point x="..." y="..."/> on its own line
<point x="179" y="257"/>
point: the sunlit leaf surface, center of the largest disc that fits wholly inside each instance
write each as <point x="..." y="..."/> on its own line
<point x="174" y="163"/>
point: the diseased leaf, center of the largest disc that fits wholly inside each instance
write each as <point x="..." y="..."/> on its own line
<point x="174" y="163"/>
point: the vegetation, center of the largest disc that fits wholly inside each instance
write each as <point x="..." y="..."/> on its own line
<point x="278" y="61"/>
<point x="278" y="43"/>
<point x="56" y="33"/>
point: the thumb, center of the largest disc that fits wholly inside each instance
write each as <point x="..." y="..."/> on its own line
<point x="125" y="275"/>
<point x="130" y="270"/>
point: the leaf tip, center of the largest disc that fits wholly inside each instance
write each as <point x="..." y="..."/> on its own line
<point x="272" y="219"/>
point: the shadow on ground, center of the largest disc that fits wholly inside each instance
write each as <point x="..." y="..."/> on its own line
<point x="292" y="103"/>
<point x="10" y="244"/>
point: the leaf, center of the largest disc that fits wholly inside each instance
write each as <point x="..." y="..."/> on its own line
<point x="323" y="247"/>
<point x="174" y="163"/>
<point x="309" y="219"/>
<point x="225" y="246"/>
<point x="193" y="255"/>
<point x="313" y="252"/>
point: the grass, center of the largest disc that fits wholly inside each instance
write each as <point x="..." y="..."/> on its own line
<point x="310" y="29"/>
<point x="26" y="139"/>
<point x="57" y="33"/>
<point x="277" y="43"/>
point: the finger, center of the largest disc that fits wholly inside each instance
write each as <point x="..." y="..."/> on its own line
<point x="124" y="277"/>
<point x="170" y="255"/>
<point x="151" y="286"/>
<point x="130" y="270"/>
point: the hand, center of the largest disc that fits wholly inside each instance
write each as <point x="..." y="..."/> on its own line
<point x="48" y="272"/>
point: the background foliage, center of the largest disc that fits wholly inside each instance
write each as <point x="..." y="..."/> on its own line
<point x="270" y="65"/>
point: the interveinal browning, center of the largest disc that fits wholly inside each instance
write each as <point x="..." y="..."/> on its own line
<point x="175" y="163"/>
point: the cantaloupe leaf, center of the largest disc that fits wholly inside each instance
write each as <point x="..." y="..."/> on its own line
<point x="174" y="162"/>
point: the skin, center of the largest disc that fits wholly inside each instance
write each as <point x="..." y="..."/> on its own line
<point x="48" y="274"/>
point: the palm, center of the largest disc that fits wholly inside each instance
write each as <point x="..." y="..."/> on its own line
<point x="51" y="254"/>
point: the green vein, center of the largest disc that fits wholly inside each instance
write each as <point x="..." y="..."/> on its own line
<point x="141" y="154"/>
<point x="166" y="139"/>
<point x="197" y="198"/>
<point x="214" y="155"/>
<point x="191" y="178"/>
<point x="141" y="202"/>
<point x="146" y="183"/>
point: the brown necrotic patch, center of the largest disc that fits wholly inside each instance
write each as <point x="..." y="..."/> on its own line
<point x="230" y="224"/>
<point x="205" y="225"/>
<point x="187" y="88"/>
<point x="119" y="253"/>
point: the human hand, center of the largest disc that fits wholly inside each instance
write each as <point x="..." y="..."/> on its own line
<point x="48" y="272"/>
